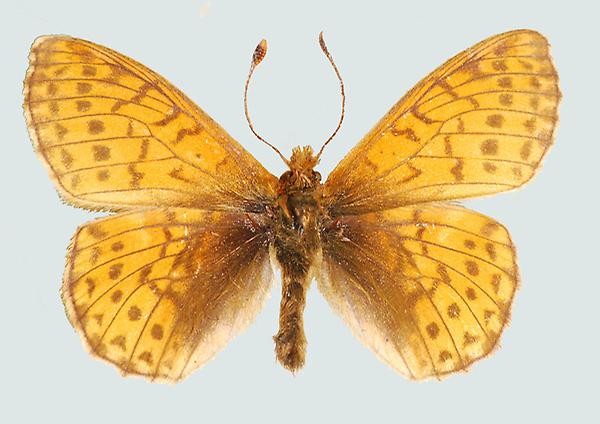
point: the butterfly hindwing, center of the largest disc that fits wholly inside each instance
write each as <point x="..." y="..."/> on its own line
<point x="159" y="292"/>
<point x="115" y="135"/>
<point x="428" y="288"/>
<point x="479" y="124"/>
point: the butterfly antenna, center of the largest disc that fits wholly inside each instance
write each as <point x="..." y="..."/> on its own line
<point x="337" y="72"/>
<point x="257" y="57"/>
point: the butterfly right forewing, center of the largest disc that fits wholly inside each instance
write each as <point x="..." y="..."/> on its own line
<point x="479" y="124"/>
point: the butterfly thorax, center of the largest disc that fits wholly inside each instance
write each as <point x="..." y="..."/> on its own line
<point x="296" y="247"/>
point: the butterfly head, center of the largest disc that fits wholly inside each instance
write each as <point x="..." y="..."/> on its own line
<point x="301" y="176"/>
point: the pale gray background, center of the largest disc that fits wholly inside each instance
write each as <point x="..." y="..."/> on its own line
<point x="547" y="368"/>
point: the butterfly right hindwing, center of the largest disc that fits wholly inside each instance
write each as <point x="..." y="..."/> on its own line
<point x="428" y="288"/>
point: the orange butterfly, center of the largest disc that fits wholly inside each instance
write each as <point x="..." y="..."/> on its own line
<point x="160" y="287"/>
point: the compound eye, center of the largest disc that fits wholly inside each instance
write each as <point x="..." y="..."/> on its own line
<point x="285" y="176"/>
<point x="317" y="176"/>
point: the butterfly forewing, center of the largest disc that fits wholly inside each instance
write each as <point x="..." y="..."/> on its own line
<point x="159" y="292"/>
<point x="479" y="124"/>
<point x="116" y="135"/>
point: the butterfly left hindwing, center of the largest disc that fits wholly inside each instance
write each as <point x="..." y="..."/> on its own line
<point x="159" y="292"/>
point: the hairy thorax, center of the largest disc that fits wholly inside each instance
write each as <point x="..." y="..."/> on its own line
<point x="297" y="248"/>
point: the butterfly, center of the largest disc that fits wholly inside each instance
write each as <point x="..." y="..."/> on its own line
<point x="186" y="261"/>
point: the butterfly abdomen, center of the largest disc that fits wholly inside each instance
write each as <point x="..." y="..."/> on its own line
<point x="290" y="341"/>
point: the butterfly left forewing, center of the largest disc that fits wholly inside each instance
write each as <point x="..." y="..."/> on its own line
<point x="116" y="135"/>
<point x="427" y="288"/>
<point x="159" y="292"/>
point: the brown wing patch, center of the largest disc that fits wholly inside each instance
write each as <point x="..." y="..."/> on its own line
<point x="479" y="124"/>
<point x="428" y="288"/>
<point x="116" y="135"/>
<point x="158" y="293"/>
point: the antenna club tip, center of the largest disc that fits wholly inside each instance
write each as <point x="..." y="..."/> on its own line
<point x="322" y="42"/>
<point x="259" y="52"/>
